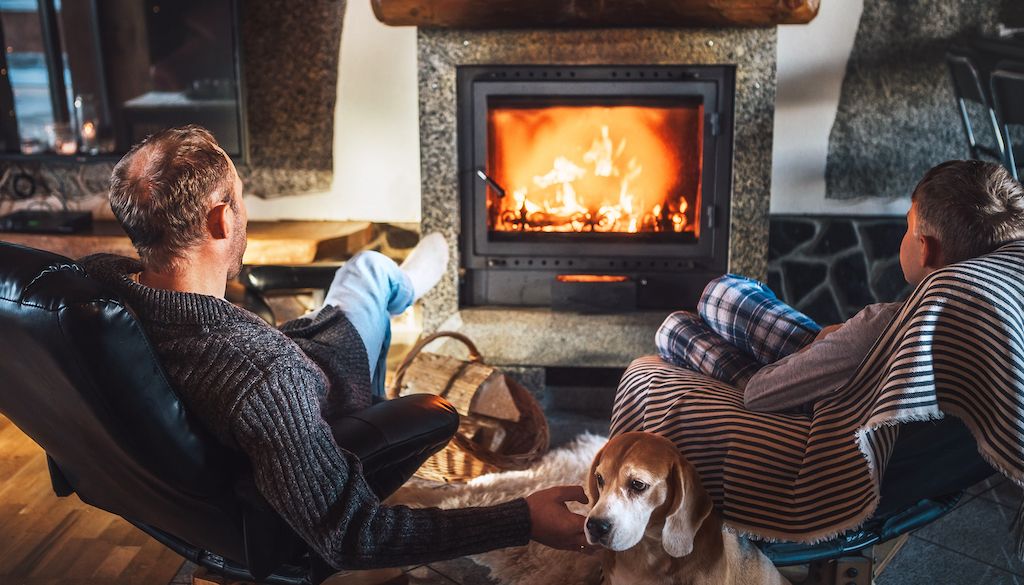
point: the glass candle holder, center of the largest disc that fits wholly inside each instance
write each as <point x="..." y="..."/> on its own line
<point x="63" y="140"/>
<point x="86" y="114"/>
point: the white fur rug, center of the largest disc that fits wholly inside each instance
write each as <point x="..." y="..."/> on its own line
<point x="533" y="564"/>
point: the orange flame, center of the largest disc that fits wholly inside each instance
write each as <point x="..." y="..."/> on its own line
<point x="591" y="278"/>
<point x="623" y="169"/>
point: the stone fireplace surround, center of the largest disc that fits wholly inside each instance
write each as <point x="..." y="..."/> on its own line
<point x="539" y="337"/>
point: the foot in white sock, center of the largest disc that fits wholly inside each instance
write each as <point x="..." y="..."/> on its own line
<point x="426" y="263"/>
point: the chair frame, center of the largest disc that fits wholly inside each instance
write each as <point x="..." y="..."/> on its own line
<point x="1012" y="73"/>
<point x="848" y="558"/>
<point x="957" y="59"/>
<point x="272" y="554"/>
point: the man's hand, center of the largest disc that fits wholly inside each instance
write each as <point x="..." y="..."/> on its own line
<point x="552" y="524"/>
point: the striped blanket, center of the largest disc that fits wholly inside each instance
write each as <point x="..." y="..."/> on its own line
<point x="956" y="348"/>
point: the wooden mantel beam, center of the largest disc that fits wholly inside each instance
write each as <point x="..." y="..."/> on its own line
<point x="501" y="14"/>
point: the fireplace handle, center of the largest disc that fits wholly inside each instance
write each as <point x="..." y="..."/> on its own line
<point x="493" y="184"/>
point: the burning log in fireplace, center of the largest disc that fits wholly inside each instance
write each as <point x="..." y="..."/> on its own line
<point x="601" y="220"/>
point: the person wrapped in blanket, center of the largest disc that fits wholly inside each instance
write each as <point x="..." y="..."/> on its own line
<point x="742" y="334"/>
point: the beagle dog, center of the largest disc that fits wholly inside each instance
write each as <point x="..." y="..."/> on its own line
<point x="657" y="524"/>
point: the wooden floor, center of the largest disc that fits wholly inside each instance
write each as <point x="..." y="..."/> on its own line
<point x="49" y="540"/>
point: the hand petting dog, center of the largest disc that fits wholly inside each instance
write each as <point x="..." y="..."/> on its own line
<point x="552" y="524"/>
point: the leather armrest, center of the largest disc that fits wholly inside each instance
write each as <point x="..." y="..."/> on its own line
<point x="391" y="430"/>
<point x="267" y="278"/>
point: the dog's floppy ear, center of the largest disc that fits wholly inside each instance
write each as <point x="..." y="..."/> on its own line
<point x="689" y="506"/>
<point x="591" y="481"/>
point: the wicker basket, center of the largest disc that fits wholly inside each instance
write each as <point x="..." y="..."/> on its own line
<point x="464" y="458"/>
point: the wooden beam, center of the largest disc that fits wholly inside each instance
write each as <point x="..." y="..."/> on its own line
<point x="501" y="14"/>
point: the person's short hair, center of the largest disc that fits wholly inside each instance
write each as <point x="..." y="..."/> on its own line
<point x="160" y="191"/>
<point x="970" y="206"/>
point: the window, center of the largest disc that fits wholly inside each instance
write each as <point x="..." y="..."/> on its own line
<point x="92" y="77"/>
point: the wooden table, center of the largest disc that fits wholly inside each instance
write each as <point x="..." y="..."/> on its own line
<point x="270" y="242"/>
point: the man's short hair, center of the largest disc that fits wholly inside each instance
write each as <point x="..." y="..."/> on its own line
<point x="160" y="192"/>
<point x="970" y="206"/>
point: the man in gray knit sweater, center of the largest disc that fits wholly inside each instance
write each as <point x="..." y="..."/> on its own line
<point x="272" y="393"/>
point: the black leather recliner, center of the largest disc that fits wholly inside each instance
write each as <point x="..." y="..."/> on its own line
<point x="79" y="377"/>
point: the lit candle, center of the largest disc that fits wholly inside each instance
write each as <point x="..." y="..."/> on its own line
<point x="67" y="147"/>
<point x="88" y="120"/>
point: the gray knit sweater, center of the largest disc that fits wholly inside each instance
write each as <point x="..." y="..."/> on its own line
<point x="266" y="392"/>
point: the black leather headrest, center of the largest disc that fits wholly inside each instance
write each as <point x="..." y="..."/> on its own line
<point x="81" y="379"/>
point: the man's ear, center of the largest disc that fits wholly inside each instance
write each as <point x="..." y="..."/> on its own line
<point x="931" y="252"/>
<point x="689" y="506"/>
<point x="218" y="221"/>
<point x="591" y="480"/>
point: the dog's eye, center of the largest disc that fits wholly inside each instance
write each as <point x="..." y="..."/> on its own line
<point x="600" y="480"/>
<point x="637" y="485"/>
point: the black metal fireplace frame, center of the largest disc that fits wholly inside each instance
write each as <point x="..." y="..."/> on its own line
<point x="498" y="271"/>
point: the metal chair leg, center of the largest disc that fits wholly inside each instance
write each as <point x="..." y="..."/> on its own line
<point x="849" y="570"/>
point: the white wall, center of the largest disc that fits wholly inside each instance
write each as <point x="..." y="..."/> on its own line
<point x="376" y="142"/>
<point x="812" y="62"/>
<point x="376" y="130"/>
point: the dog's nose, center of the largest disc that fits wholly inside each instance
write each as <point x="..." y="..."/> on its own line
<point x="598" y="527"/>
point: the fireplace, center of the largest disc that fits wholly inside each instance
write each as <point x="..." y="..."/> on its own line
<point x="605" y="186"/>
<point x="722" y="80"/>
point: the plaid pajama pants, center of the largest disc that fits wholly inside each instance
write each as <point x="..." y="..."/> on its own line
<point x="740" y="325"/>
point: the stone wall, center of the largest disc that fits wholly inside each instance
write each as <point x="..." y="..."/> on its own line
<point x="830" y="267"/>
<point x="896" y="116"/>
<point x="291" y="54"/>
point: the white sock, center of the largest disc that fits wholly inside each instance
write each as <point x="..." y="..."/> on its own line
<point x="427" y="263"/>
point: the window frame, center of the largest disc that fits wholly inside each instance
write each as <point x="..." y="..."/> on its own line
<point x="10" y="138"/>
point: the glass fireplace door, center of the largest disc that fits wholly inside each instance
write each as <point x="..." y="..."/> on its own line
<point x="582" y="167"/>
<point x="591" y="168"/>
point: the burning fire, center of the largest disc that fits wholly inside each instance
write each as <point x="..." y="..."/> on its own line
<point x="624" y="169"/>
<point x="591" y="278"/>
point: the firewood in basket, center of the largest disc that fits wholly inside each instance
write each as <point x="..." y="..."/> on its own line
<point x="485" y="432"/>
<point x="494" y="399"/>
<point x="472" y="388"/>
